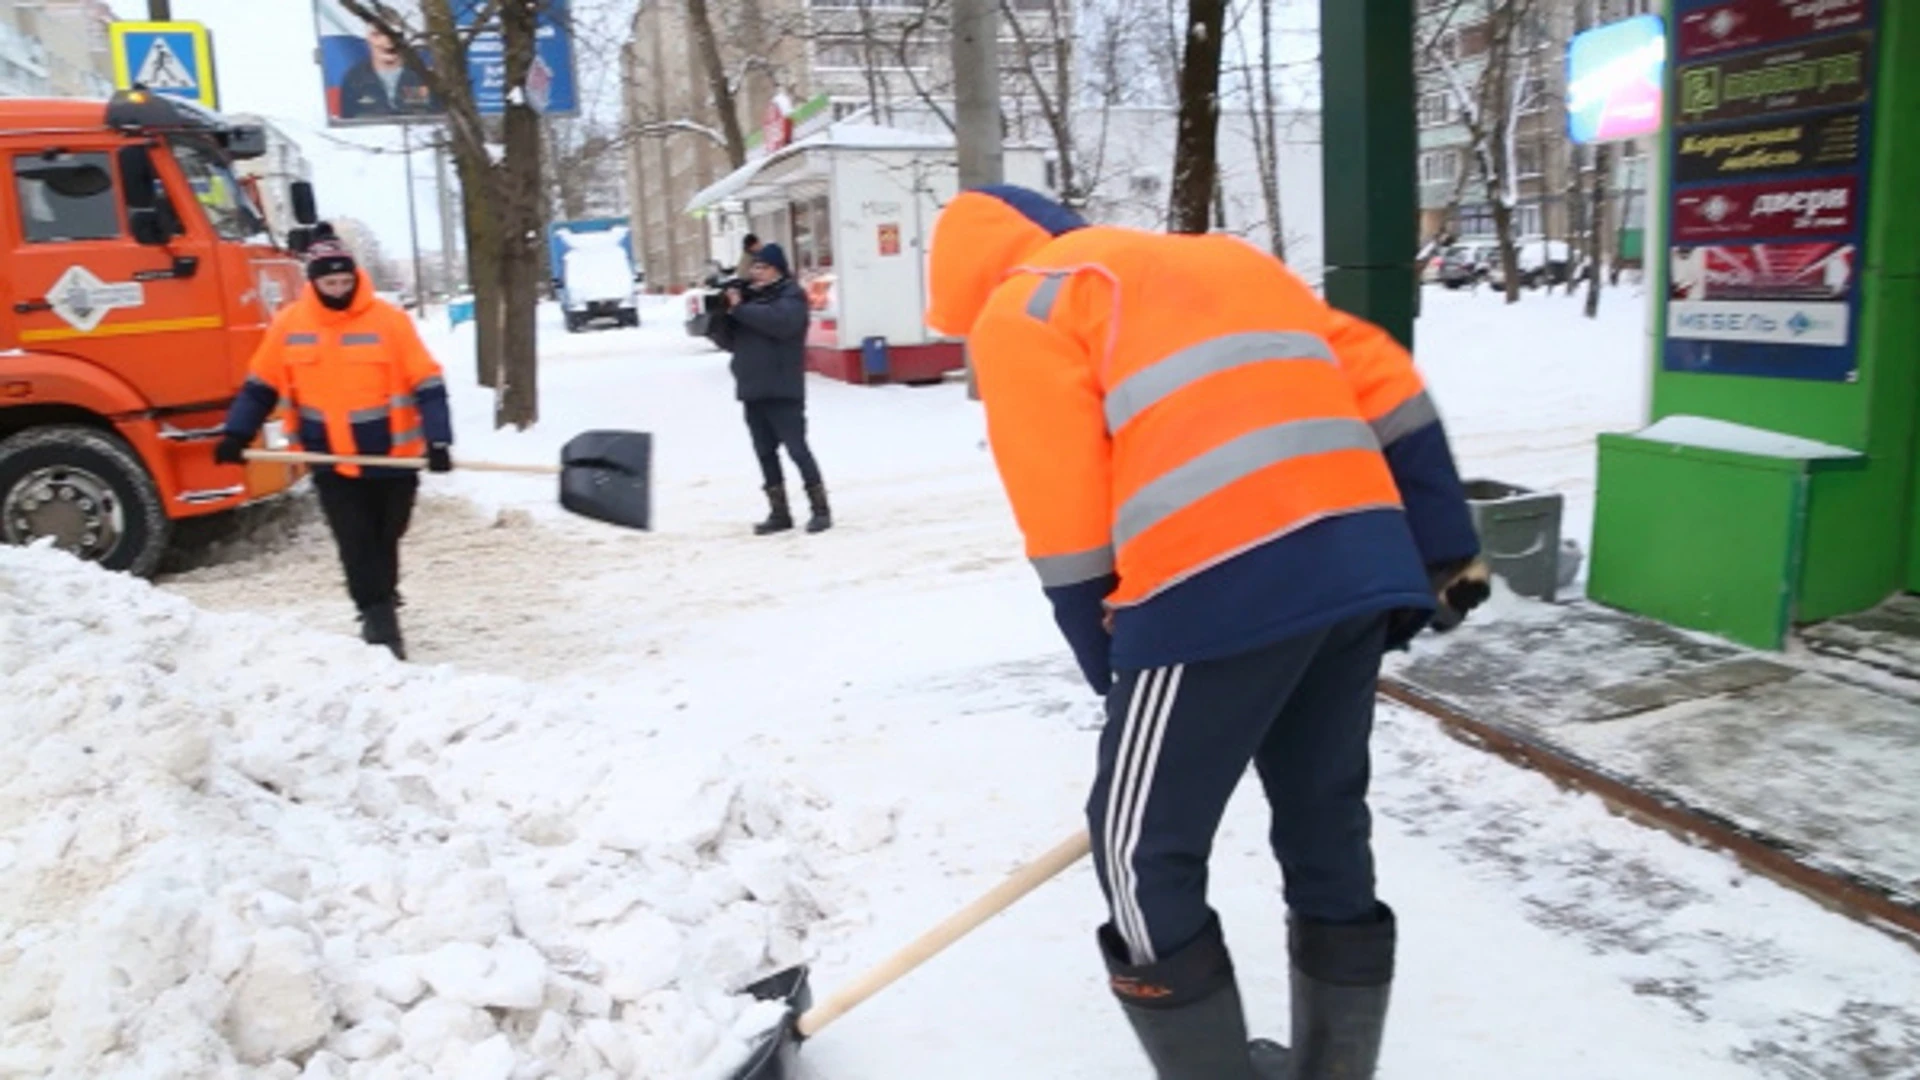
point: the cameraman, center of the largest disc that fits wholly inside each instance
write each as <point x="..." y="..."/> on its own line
<point x="765" y="328"/>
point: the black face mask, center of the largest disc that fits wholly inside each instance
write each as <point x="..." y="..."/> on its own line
<point x="338" y="303"/>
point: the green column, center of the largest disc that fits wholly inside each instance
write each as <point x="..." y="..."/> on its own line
<point x="1368" y="149"/>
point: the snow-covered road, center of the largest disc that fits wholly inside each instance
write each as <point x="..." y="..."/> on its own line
<point x="905" y="668"/>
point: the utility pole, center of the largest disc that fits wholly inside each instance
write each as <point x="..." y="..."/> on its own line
<point x="160" y="10"/>
<point x="976" y="91"/>
<point x="976" y="106"/>
<point x="449" y="222"/>
<point x="413" y="223"/>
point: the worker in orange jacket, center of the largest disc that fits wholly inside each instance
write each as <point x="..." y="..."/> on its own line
<point x="352" y="369"/>
<point x="1237" y="498"/>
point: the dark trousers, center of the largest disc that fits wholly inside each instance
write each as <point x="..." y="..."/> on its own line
<point x="368" y="517"/>
<point x="775" y="424"/>
<point x="1178" y="740"/>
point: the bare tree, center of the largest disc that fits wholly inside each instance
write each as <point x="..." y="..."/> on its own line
<point x="722" y="88"/>
<point x="1509" y="85"/>
<point x="1196" y="165"/>
<point x="503" y="197"/>
<point x="1257" y="87"/>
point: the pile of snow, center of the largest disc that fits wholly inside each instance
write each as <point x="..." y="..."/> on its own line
<point x="230" y="847"/>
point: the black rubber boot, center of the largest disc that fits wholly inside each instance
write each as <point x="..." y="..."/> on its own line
<point x="822" y="518"/>
<point x="1342" y="975"/>
<point x="380" y="625"/>
<point x="779" y="515"/>
<point x="1185" y="1009"/>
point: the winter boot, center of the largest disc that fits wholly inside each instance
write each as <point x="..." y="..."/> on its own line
<point x="822" y="518"/>
<point x="380" y="625"/>
<point x="1342" y="973"/>
<point x="1185" y="1009"/>
<point x="779" y="516"/>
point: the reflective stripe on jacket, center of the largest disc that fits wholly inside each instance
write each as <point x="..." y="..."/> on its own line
<point x="358" y="381"/>
<point x="1180" y="421"/>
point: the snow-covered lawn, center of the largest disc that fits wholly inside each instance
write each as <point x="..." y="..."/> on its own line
<point x="627" y="770"/>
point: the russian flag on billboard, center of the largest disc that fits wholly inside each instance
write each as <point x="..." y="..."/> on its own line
<point x="1616" y="75"/>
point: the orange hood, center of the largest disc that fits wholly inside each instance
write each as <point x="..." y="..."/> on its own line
<point x="980" y="237"/>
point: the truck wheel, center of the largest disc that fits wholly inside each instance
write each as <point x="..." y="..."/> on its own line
<point x="88" y="491"/>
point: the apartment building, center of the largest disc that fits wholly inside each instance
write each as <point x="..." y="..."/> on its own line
<point x="1457" y="43"/>
<point x="55" y="48"/>
<point x="880" y="59"/>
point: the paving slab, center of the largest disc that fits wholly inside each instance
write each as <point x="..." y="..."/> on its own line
<point x="1822" y="768"/>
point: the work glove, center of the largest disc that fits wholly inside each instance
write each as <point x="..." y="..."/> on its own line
<point x="1460" y="589"/>
<point x="439" y="458"/>
<point x="231" y="451"/>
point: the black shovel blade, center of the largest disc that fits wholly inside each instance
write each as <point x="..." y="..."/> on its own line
<point x="774" y="1057"/>
<point x="608" y="476"/>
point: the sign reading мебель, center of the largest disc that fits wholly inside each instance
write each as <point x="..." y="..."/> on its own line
<point x="370" y="79"/>
<point x="1772" y="117"/>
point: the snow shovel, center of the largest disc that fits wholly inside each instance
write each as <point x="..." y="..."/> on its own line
<point x="604" y="475"/>
<point x="774" y="1057"/>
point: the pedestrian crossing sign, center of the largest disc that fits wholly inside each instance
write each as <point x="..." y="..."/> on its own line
<point x="171" y="58"/>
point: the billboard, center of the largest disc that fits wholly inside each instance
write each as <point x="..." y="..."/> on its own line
<point x="1615" y="77"/>
<point x="368" y="80"/>
<point x="1773" y="115"/>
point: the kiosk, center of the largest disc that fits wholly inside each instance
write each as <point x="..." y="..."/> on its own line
<point x="852" y="205"/>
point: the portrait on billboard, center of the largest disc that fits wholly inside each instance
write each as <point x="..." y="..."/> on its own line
<point x="369" y="79"/>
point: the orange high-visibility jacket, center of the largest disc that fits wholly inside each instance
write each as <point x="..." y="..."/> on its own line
<point x="1184" y="427"/>
<point x="359" y="381"/>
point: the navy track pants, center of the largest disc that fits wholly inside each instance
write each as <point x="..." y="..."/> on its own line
<point x="1177" y="741"/>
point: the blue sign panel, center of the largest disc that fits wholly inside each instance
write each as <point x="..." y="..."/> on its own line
<point x="552" y="86"/>
<point x="1615" y="75"/>
<point x="1769" y="161"/>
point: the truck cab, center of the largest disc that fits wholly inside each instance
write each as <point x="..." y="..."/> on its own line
<point x="137" y="277"/>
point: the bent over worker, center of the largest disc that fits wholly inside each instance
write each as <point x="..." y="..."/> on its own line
<point x="353" y="370"/>
<point x="1236" y="498"/>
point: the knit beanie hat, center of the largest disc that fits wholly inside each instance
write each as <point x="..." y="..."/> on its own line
<point x="326" y="254"/>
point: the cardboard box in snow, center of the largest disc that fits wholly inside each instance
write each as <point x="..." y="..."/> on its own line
<point x="853" y="205"/>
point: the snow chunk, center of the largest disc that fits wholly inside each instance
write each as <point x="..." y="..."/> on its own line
<point x="235" y="847"/>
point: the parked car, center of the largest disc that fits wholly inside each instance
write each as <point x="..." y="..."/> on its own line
<point x="1467" y="263"/>
<point x="1541" y="262"/>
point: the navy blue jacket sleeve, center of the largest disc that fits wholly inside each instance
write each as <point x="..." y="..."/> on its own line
<point x="250" y="408"/>
<point x="430" y="397"/>
<point x="1080" y="611"/>
<point x="783" y="316"/>
<point x="1435" y="500"/>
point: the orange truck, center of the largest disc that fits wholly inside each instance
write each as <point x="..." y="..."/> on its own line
<point x="137" y="276"/>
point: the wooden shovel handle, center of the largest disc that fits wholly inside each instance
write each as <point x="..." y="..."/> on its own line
<point x="296" y="457"/>
<point x="958" y="925"/>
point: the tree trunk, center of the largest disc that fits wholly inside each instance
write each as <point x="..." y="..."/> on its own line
<point x="1597" y="208"/>
<point x="1195" y="153"/>
<point x="522" y="253"/>
<point x="708" y="44"/>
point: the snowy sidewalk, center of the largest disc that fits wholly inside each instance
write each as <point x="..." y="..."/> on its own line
<point x="1804" y="760"/>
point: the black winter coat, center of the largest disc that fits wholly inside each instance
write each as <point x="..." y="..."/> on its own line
<point x="768" y="336"/>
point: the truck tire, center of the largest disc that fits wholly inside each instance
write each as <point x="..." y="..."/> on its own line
<point x="87" y="489"/>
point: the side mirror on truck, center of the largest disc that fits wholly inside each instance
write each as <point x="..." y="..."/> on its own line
<point x="305" y="210"/>
<point x="150" y="219"/>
